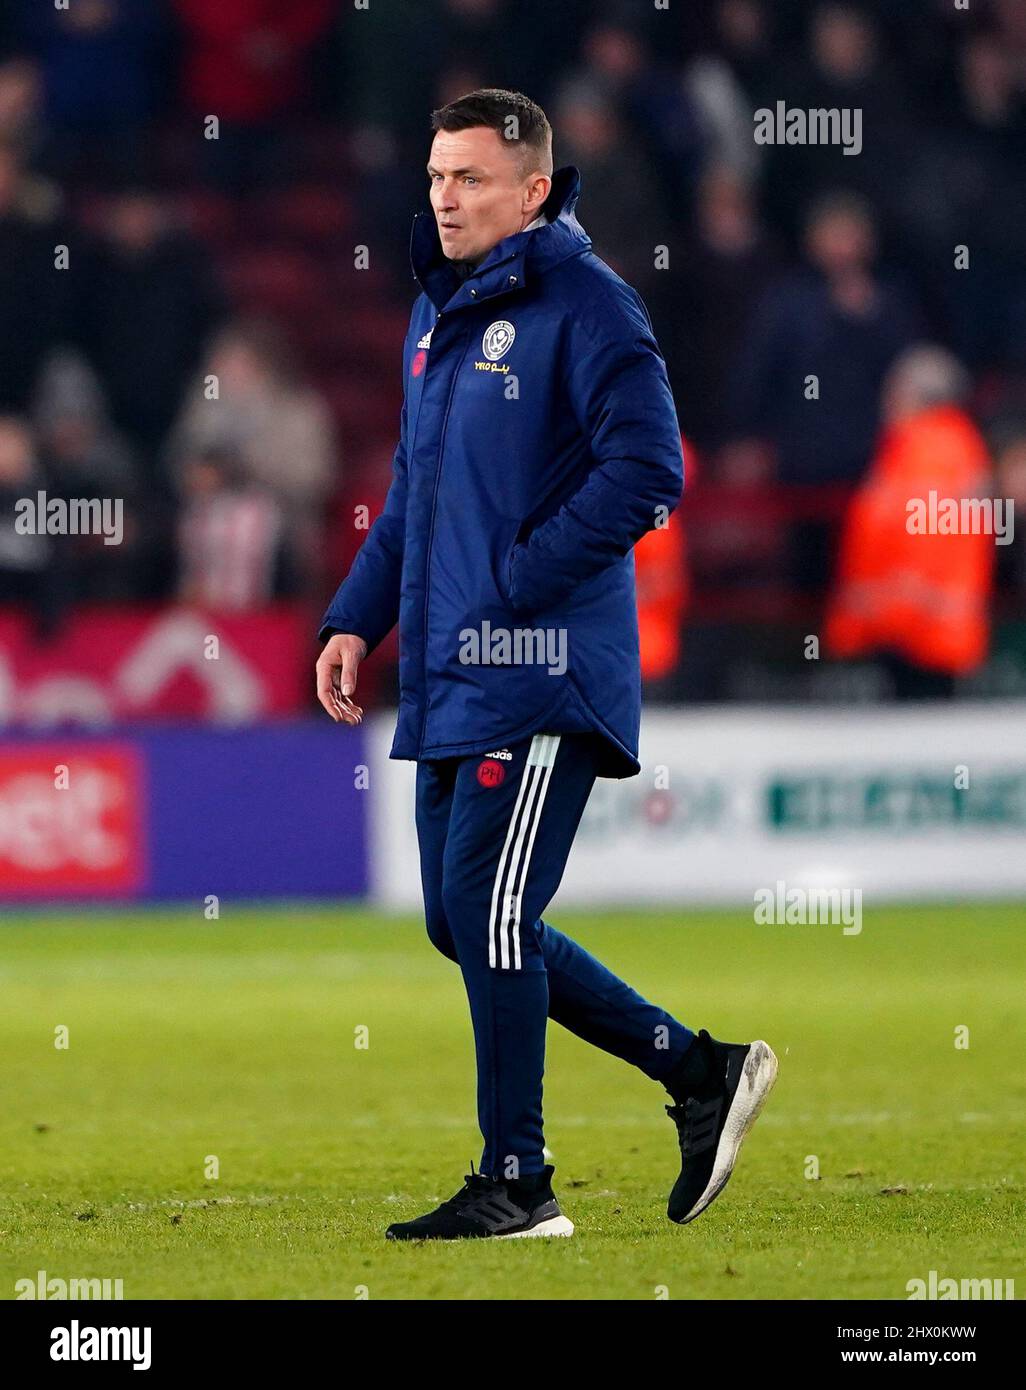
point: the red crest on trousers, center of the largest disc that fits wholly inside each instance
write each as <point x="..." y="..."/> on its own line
<point x="490" y="773"/>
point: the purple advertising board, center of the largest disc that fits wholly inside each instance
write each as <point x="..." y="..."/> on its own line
<point x="180" y="812"/>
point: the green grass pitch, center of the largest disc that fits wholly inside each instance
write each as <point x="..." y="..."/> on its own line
<point x="238" y="1039"/>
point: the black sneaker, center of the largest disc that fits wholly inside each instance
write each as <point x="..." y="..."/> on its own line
<point x="491" y="1207"/>
<point x="714" y="1117"/>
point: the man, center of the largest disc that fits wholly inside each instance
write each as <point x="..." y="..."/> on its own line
<point x="917" y="600"/>
<point x="539" y="442"/>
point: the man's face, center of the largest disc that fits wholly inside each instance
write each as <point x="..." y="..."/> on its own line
<point x="478" y="193"/>
<point x="839" y="242"/>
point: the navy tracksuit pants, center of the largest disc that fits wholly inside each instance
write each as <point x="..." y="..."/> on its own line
<point x="495" y="832"/>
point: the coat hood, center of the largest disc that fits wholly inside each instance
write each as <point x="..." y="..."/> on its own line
<point x="511" y="263"/>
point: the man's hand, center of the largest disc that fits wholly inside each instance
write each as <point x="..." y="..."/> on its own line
<point x="336" y="676"/>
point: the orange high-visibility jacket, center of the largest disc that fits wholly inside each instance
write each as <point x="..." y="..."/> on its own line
<point x="903" y="584"/>
<point x="662" y="586"/>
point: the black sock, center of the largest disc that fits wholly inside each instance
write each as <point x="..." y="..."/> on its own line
<point x="689" y="1073"/>
<point x="530" y="1183"/>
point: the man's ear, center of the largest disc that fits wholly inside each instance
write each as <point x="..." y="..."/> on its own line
<point x="538" y="190"/>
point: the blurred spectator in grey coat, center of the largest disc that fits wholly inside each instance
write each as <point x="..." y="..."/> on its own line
<point x="85" y="454"/>
<point x="253" y="404"/>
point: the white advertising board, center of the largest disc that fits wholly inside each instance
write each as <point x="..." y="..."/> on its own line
<point x="900" y="803"/>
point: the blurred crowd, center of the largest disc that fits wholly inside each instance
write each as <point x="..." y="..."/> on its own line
<point x="186" y="320"/>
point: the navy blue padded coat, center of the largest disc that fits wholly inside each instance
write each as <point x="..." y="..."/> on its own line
<point x="539" y="443"/>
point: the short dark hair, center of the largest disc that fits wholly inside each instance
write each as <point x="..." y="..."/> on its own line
<point x="840" y="202"/>
<point x="511" y="115"/>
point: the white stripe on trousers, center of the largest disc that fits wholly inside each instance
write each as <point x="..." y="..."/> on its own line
<point x="534" y="785"/>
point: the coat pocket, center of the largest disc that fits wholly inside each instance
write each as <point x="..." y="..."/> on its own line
<point x="504" y="562"/>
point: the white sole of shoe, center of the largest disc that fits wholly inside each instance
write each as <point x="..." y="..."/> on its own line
<point x="555" y="1226"/>
<point x="757" y="1078"/>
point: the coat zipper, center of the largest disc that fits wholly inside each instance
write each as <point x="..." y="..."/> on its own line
<point x="431" y="531"/>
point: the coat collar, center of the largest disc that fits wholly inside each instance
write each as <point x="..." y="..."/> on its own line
<point x="508" y="265"/>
